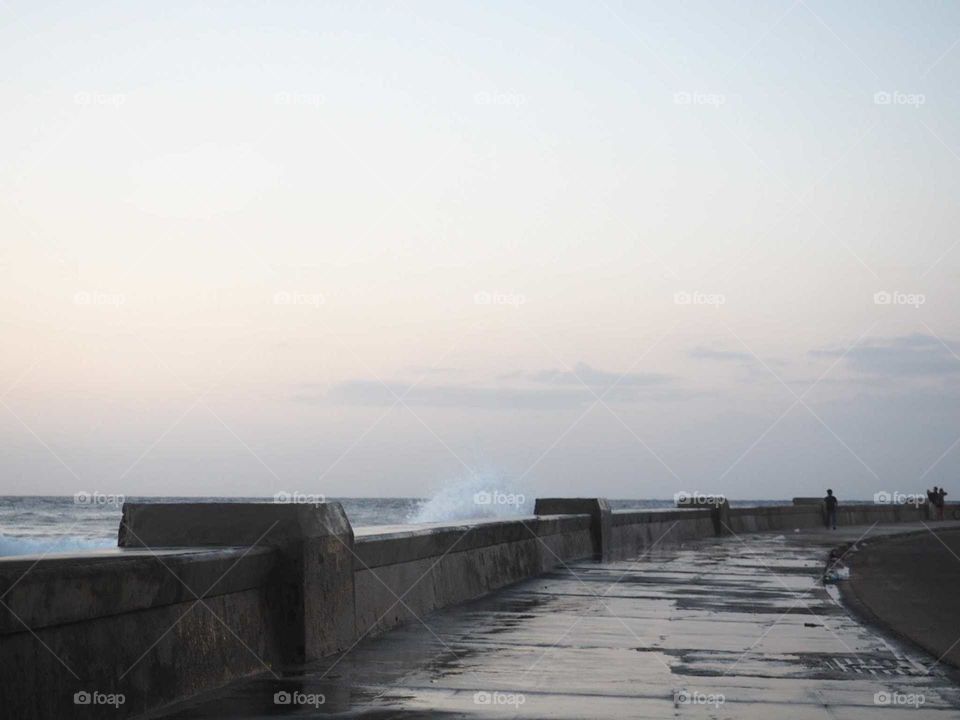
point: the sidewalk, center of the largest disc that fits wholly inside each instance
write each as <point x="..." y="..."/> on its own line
<point x="737" y="627"/>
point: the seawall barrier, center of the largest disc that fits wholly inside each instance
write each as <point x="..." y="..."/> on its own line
<point x="198" y="595"/>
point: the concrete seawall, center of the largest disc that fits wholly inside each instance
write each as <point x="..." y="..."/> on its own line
<point x="199" y="595"/>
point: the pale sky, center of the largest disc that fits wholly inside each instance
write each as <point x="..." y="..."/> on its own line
<point x="370" y="248"/>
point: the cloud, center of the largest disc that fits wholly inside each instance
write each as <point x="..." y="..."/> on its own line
<point x="908" y="356"/>
<point x="544" y="390"/>
<point x="583" y="374"/>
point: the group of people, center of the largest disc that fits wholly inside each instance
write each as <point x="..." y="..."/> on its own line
<point x="936" y="497"/>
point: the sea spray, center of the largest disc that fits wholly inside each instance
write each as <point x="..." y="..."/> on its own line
<point x="483" y="494"/>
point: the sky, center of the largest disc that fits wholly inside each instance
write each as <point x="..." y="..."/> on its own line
<point x="583" y="248"/>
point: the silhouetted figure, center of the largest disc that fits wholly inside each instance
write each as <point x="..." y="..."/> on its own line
<point x="830" y="501"/>
<point x="941" y="494"/>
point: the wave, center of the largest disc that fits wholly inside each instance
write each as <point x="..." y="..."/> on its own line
<point x="486" y="494"/>
<point x="60" y="544"/>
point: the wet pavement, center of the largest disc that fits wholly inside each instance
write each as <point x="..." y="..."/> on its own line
<point x="738" y="627"/>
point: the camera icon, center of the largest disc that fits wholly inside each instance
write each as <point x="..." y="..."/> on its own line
<point x="882" y="298"/>
<point x="482" y="697"/>
<point x="681" y="697"/>
<point x="482" y="298"/>
<point x="482" y="498"/>
<point x="882" y="498"/>
<point x="282" y="697"/>
<point x="81" y="498"/>
<point x="282" y="498"/>
<point x="882" y="98"/>
<point x="682" y="298"/>
<point x="282" y="298"/>
<point x="682" y="98"/>
<point x="882" y="698"/>
<point x="82" y="698"/>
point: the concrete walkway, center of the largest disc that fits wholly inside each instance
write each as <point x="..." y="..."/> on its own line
<point x="738" y="627"/>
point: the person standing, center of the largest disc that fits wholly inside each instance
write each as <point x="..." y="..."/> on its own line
<point x="941" y="494"/>
<point x="830" y="501"/>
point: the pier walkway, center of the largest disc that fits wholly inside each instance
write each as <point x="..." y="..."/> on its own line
<point x="731" y="627"/>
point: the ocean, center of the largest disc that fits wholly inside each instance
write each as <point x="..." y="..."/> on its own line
<point x="54" y="524"/>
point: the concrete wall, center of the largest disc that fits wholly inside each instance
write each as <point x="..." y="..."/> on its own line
<point x="199" y="595"/>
